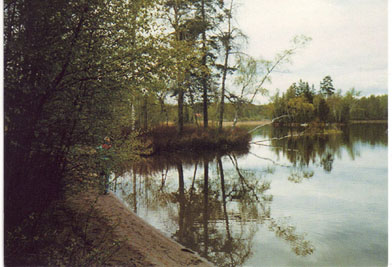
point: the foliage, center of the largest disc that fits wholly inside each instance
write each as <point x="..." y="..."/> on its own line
<point x="326" y="86"/>
<point x="321" y="108"/>
<point x="251" y="75"/>
<point x="300" y="110"/>
<point x="71" y="71"/>
<point x="303" y="104"/>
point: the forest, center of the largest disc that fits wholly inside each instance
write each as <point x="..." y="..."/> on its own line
<point x="302" y="106"/>
<point x="77" y="71"/>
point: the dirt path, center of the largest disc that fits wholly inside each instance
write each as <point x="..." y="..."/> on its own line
<point x="141" y="244"/>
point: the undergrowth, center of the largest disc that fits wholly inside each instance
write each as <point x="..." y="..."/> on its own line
<point x="63" y="235"/>
<point x="196" y="139"/>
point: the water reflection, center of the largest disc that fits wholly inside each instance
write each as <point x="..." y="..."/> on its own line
<point x="297" y="176"/>
<point x="214" y="206"/>
<point x="216" y="213"/>
<point x="321" y="150"/>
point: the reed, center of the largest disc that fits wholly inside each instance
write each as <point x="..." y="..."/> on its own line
<point x="196" y="139"/>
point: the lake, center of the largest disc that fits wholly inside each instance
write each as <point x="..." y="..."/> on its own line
<point x="289" y="201"/>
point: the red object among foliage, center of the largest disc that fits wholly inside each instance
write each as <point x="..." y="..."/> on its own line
<point x="106" y="146"/>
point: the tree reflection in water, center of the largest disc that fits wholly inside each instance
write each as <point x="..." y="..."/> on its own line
<point x="215" y="207"/>
<point x="216" y="214"/>
<point x="303" y="151"/>
<point x="282" y="228"/>
<point x="322" y="149"/>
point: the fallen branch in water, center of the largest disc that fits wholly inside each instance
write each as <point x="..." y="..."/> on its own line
<point x="278" y="147"/>
<point x="272" y="121"/>
<point x="274" y="162"/>
<point x="279" y="138"/>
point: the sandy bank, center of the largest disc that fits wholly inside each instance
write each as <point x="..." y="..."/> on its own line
<point x="141" y="244"/>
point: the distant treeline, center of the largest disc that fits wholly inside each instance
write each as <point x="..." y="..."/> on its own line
<point x="337" y="107"/>
<point x="303" y="104"/>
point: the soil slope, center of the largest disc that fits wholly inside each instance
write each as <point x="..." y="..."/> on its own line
<point x="141" y="244"/>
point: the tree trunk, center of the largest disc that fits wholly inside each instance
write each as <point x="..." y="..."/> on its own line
<point x="194" y="116"/>
<point x="180" y="98"/>
<point x="180" y="103"/>
<point x="226" y="43"/>
<point x="145" y="115"/>
<point x="222" y="96"/>
<point x="163" y="110"/>
<point x="204" y="63"/>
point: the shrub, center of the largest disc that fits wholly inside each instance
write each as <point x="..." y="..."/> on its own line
<point x="167" y="139"/>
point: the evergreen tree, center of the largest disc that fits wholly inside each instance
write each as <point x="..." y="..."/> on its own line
<point x="326" y="86"/>
<point x="208" y="14"/>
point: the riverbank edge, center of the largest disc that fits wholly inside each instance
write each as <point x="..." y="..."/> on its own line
<point x="268" y="121"/>
<point x="87" y="228"/>
<point x="368" y="122"/>
<point x="147" y="246"/>
<point x="165" y="138"/>
<point x="142" y="244"/>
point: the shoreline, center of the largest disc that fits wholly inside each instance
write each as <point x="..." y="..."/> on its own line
<point x="268" y="121"/>
<point x="197" y="139"/>
<point x="141" y="244"/>
<point x="368" y="121"/>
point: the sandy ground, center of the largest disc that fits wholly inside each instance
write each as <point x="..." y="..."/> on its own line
<point x="141" y="245"/>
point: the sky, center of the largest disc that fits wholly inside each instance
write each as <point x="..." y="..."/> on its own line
<point x="349" y="41"/>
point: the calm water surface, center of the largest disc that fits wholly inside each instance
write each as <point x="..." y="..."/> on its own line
<point x="301" y="201"/>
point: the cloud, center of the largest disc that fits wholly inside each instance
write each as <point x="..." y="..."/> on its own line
<point x="349" y="43"/>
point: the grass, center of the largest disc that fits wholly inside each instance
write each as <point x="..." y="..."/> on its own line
<point x="197" y="139"/>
